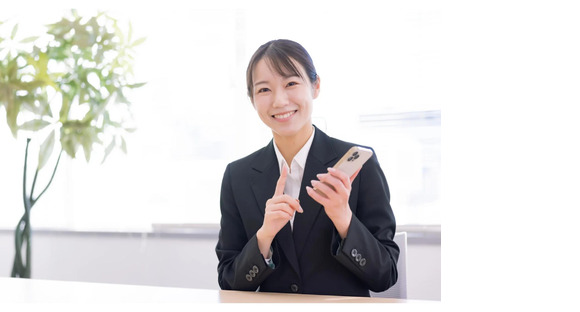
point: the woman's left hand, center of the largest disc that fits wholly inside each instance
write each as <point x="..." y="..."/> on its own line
<point x="332" y="191"/>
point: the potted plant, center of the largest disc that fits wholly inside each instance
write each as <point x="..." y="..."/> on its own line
<point x="65" y="89"/>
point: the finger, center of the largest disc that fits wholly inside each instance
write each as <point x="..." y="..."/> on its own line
<point x="294" y="203"/>
<point x="354" y="175"/>
<point x="277" y="215"/>
<point x="340" y="175"/>
<point x="324" y="188"/>
<point x="281" y="208"/>
<point x="335" y="184"/>
<point x="281" y="181"/>
<point x="345" y="180"/>
<point x="317" y="195"/>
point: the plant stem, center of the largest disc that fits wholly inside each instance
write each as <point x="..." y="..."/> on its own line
<point x="34" y="200"/>
<point x="19" y="269"/>
<point x="22" y="233"/>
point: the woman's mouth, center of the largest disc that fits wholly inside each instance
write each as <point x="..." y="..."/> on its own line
<point x="284" y="115"/>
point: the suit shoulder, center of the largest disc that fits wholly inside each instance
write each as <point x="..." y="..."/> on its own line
<point x="250" y="160"/>
<point x="343" y="146"/>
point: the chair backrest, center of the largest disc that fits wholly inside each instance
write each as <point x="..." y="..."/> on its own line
<point x="399" y="290"/>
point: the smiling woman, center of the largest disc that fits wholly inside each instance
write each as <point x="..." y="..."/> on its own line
<point x="282" y="88"/>
<point x="293" y="229"/>
<point x="193" y="117"/>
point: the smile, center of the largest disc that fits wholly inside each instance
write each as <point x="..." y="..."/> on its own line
<point x="285" y="115"/>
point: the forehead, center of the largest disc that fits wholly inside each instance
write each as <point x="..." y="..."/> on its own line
<point x="269" y="68"/>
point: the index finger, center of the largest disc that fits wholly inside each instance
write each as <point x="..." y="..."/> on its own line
<point x="281" y="181"/>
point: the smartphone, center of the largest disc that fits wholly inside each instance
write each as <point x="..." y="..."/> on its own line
<point x="353" y="160"/>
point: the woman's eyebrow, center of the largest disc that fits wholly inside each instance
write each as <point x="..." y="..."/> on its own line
<point x="261" y="82"/>
<point x="285" y="77"/>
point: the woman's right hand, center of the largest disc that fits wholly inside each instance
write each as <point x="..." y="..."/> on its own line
<point x="279" y="210"/>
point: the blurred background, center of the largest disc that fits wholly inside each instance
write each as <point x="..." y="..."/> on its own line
<point x="378" y="65"/>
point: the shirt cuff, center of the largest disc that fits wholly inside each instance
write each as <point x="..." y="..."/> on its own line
<point x="269" y="261"/>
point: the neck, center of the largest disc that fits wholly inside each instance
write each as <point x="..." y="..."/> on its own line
<point x="289" y="146"/>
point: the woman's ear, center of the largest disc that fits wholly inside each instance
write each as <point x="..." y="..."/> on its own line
<point x="316" y="87"/>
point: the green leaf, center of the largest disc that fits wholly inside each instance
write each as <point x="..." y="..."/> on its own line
<point x="136" y="85"/>
<point x="12" y="110"/>
<point x="14" y="31"/>
<point x="29" y="39"/>
<point x="67" y="143"/>
<point x="123" y="145"/>
<point x="34" y="125"/>
<point x="138" y="42"/>
<point x="64" y="110"/>
<point x="46" y="149"/>
<point x="130" y="35"/>
<point x="108" y="150"/>
<point x="87" y="145"/>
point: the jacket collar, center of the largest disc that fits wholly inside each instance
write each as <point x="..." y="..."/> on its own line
<point x="321" y="150"/>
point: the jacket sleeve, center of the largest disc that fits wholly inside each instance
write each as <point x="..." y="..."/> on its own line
<point x="368" y="250"/>
<point x="241" y="265"/>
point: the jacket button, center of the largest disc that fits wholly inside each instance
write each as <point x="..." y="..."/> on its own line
<point x="362" y="262"/>
<point x="358" y="257"/>
<point x="255" y="269"/>
<point x="294" y="288"/>
<point x="252" y="274"/>
<point x="249" y="277"/>
<point x="353" y="252"/>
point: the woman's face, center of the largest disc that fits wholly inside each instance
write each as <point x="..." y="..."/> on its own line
<point x="284" y="103"/>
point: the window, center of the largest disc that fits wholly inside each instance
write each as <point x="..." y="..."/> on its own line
<point x="193" y="117"/>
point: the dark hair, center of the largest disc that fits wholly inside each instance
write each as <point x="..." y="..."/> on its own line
<point x="280" y="53"/>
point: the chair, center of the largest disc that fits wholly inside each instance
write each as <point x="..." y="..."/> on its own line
<point x="399" y="290"/>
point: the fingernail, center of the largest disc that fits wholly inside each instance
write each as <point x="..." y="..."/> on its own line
<point x="300" y="210"/>
<point x="319" y="175"/>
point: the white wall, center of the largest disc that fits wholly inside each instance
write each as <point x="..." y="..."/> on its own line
<point x="177" y="260"/>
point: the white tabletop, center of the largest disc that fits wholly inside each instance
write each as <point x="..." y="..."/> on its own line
<point x="13" y="290"/>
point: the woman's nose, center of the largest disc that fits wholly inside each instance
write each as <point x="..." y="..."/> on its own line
<point x="280" y="99"/>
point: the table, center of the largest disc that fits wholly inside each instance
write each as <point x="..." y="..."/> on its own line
<point x="15" y="290"/>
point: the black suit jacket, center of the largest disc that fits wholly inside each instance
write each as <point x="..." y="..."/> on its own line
<point x="312" y="259"/>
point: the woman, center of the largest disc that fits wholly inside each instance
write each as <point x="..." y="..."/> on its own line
<point x="277" y="233"/>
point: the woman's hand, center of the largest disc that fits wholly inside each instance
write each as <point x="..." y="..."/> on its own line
<point x="332" y="191"/>
<point x="279" y="210"/>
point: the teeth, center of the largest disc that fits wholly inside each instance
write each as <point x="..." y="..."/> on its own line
<point x="284" y="115"/>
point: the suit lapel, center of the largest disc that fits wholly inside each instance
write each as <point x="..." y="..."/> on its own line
<point x="320" y="157"/>
<point x="265" y="175"/>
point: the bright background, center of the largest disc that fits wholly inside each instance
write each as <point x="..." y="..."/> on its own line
<point x="507" y="79"/>
<point x="379" y="88"/>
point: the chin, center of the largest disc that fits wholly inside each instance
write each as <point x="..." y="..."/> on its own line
<point x="288" y="131"/>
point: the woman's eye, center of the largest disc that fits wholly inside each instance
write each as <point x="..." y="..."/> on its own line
<point x="263" y="90"/>
<point x="292" y="83"/>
